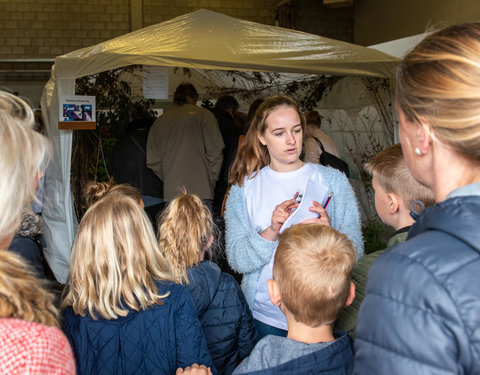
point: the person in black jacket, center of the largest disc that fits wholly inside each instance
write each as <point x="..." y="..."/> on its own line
<point x="186" y="232"/>
<point x="224" y="111"/>
<point x="129" y="161"/>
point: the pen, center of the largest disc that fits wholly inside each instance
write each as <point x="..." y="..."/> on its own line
<point x="328" y="200"/>
<point x="295" y="196"/>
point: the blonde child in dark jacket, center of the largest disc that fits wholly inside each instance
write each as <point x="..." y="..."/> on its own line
<point x="186" y="232"/>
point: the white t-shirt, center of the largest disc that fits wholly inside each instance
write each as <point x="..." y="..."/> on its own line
<point x="263" y="193"/>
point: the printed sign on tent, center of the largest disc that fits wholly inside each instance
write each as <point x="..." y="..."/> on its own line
<point x="77" y="112"/>
<point x="155" y="82"/>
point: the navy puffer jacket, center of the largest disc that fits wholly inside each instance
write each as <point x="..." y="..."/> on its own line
<point x="155" y="341"/>
<point x="224" y="314"/>
<point x="421" y="313"/>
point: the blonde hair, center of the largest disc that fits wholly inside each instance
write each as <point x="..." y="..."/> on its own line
<point x="115" y="261"/>
<point x="312" y="267"/>
<point x="94" y="191"/>
<point x="22" y="151"/>
<point x="252" y="155"/>
<point x="185" y="229"/>
<point x="439" y="80"/>
<point x="22" y="295"/>
<point x="393" y="176"/>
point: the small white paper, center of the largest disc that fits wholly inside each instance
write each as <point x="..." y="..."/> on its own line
<point x="155" y="82"/>
<point x="314" y="191"/>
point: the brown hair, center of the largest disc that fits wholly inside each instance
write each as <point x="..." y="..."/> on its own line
<point x="393" y="176"/>
<point x="22" y="295"/>
<point x="313" y="119"/>
<point x="252" y="155"/>
<point x="94" y="191"/>
<point x="186" y="227"/>
<point x="312" y="266"/>
<point x="439" y="80"/>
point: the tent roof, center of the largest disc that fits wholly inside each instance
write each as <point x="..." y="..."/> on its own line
<point x="210" y="40"/>
<point x="400" y="47"/>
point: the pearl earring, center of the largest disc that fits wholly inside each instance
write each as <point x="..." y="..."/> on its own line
<point x="418" y="151"/>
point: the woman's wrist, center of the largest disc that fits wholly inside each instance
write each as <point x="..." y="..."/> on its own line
<point x="269" y="234"/>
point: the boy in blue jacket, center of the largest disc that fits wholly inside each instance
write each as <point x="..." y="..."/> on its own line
<point x="311" y="284"/>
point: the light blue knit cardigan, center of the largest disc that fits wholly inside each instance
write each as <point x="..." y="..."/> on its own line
<point x="248" y="252"/>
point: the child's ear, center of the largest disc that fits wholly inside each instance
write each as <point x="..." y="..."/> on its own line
<point x="351" y="294"/>
<point x="393" y="203"/>
<point x="273" y="292"/>
<point x="210" y="241"/>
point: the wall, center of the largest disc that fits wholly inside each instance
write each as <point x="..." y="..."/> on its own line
<point x="378" y="21"/>
<point x="48" y="28"/>
<point x="35" y="31"/>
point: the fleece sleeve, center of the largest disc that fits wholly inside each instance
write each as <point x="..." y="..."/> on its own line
<point x="346" y="216"/>
<point x="247" y="251"/>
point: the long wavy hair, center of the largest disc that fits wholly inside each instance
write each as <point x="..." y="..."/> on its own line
<point x="22" y="294"/>
<point x="185" y="229"/>
<point x="115" y="261"/>
<point x="252" y="155"/>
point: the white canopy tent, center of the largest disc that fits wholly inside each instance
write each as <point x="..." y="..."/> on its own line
<point x="199" y="40"/>
<point x="399" y="47"/>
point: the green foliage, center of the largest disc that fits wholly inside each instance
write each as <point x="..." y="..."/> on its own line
<point x="91" y="149"/>
<point x="375" y="235"/>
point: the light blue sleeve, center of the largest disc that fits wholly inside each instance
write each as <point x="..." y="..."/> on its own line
<point x="345" y="216"/>
<point x="246" y="250"/>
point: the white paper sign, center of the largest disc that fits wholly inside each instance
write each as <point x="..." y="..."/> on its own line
<point x="155" y="82"/>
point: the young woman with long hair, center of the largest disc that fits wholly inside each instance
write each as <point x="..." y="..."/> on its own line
<point x="265" y="176"/>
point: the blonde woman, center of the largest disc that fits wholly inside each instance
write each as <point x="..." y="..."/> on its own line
<point x="267" y="176"/>
<point x="30" y="341"/>
<point x="186" y="233"/>
<point x="123" y="312"/>
<point x="421" y="310"/>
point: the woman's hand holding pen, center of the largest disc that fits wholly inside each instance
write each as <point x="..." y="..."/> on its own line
<point x="279" y="215"/>
<point x="323" y="217"/>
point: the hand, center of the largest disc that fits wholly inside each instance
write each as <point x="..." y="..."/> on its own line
<point x="194" y="370"/>
<point x="279" y="215"/>
<point x="322" y="219"/>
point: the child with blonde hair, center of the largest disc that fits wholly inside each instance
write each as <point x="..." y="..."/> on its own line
<point x="395" y="192"/>
<point x="124" y="313"/>
<point x="186" y="232"/>
<point x="311" y="284"/>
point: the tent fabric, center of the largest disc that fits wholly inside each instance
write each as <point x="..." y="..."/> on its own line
<point x="400" y="47"/>
<point x="200" y="40"/>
